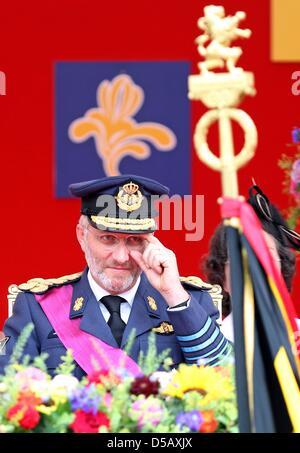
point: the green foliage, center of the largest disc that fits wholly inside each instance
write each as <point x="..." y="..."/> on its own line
<point x="152" y="361"/>
<point x="67" y="365"/>
<point x="57" y="422"/>
<point x="227" y="415"/>
<point x="192" y="400"/>
<point x="20" y="344"/>
<point x="120" y="408"/>
<point x="130" y="341"/>
<point x="40" y="361"/>
<point x="293" y="216"/>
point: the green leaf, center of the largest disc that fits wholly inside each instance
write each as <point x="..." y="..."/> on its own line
<point x="152" y="360"/>
<point x="67" y="365"/>
<point x="20" y="344"/>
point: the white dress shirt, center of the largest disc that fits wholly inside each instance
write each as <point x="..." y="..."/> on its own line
<point x="227" y="327"/>
<point x="128" y="295"/>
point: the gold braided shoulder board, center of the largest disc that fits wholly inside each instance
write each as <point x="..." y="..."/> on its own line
<point x="41" y="285"/>
<point x="215" y="291"/>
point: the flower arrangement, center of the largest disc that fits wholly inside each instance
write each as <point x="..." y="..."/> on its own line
<point x="291" y="167"/>
<point x="191" y="398"/>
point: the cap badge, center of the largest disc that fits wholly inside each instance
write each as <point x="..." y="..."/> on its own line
<point x="129" y="197"/>
<point x="78" y="304"/>
<point x="152" y="303"/>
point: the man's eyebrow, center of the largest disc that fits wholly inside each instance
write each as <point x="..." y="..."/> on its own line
<point x="106" y="234"/>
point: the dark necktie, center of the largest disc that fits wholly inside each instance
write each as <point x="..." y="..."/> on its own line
<point x="115" y="322"/>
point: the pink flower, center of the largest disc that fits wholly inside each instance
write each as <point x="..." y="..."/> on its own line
<point x="107" y="400"/>
<point x="30" y="375"/>
<point x="295" y="174"/>
<point x="295" y="180"/>
<point x="146" y="411"/>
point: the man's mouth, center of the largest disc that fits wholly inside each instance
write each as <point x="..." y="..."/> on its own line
<point x="120" y="268"/>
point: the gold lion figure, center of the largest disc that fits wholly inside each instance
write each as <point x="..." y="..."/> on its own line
<point x="221" y="31"/>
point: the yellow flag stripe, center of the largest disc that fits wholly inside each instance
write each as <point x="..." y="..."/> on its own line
<point x="289" y="387"/>
<point x="249" y="310"/>
<point x="286" y="319"/>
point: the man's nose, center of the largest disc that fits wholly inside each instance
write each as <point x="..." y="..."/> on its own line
<point x="120" y="253"/>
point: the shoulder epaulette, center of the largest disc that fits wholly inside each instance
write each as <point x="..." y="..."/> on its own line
<point x="196" y="282"/>
<point x="215" y="291"/>
<point x="41" y="285"/>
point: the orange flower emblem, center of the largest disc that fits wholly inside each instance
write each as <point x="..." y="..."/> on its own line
<point x="116" y="133"/>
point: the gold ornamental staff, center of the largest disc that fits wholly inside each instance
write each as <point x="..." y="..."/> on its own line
<point x="221" y="93"/>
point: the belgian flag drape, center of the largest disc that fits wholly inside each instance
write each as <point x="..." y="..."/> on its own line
<point x="267" y="362"/>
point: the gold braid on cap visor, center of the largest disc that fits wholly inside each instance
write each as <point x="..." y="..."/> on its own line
<point x="124" y="224"/>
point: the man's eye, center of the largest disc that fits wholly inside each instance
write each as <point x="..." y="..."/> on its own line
<point x="107" y="239"/>
<point x="134" y="240"/>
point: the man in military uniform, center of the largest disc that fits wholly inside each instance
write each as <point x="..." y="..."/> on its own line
<point x="131" y="284"/>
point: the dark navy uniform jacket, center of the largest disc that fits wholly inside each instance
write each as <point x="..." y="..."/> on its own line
<point x="196" y="335"/>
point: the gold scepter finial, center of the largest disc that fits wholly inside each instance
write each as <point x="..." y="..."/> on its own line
<point x="222" y="92"/>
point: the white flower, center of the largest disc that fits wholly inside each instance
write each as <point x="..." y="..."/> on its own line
<point x="163" y="377"/>
<point x="63" y="385"/>
<point x="41" y="388"/>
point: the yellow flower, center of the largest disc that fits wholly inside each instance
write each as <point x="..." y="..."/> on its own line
<point x="47" y="410"/>
<point x="56" y="400"/>
<point x="208" y="381"/>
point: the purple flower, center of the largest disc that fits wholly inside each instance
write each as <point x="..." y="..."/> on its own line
<point x="296" y="135"/>
<point x="193" y="420"/>
<point x="86" y="399"/>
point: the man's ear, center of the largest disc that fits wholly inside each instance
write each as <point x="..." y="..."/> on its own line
<point x="80" y="236"/>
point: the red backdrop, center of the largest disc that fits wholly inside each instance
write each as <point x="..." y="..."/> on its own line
<point x="37" y="231"/>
